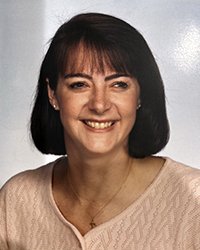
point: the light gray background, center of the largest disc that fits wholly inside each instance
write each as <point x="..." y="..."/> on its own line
<point x="172" y="29"/>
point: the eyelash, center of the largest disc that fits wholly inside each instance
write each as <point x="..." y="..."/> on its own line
<point x="120" y="84"/>
<point x="81" y="85"/>
<point x="77" y="85"/>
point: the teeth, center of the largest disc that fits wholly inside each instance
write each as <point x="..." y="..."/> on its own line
<point x="98" y="125"/>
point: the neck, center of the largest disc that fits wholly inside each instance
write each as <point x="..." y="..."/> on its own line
<point x="95" y="178"/>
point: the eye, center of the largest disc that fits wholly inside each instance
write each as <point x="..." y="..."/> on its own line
<point x="77" y="85"/>
<point x="120" y="84"/>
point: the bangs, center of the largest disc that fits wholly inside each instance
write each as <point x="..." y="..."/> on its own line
<point x="94" y="56"/>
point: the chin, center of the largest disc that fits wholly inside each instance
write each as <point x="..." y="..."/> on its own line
<point x="97" y="153"/>
<point x="105" y="149"/>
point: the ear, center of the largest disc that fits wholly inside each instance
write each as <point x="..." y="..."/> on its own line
<point x="52" y="96"/>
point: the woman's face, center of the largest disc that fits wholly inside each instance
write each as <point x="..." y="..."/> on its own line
<point x="97" y="110"/>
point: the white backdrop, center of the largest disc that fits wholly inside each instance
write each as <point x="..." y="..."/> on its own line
<point x="172" y="29"/>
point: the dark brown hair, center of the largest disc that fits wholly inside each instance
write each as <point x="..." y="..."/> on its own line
<point x="106" y="39"/>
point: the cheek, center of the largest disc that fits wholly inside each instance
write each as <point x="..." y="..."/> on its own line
<point x="129" y="112"/>
<point x="129" y="106"/>
<point x="70" y="107"/>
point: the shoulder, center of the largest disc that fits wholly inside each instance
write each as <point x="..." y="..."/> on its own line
<point x="185" y="200"/>
<point x="28" y="180"/>
<point x="182" y="182"/>
<point x="181" y="172"/>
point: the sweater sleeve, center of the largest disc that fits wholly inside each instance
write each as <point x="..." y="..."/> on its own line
<point x="191" y="215"/>
<point x="3" y="231"/>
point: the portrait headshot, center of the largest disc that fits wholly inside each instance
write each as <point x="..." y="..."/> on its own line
<point x="100" y="125"/>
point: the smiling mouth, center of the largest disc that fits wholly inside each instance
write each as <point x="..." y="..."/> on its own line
<point x="99" y="125"/>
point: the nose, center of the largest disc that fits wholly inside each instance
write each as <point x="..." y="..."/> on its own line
<point x="99" y="101"/>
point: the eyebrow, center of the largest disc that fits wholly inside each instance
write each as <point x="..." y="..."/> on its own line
<point x="107" y="78"/>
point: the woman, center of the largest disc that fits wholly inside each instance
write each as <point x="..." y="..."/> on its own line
<point x="100" y="101"/>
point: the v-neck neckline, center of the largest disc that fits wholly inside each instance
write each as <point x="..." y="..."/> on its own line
<point x="118" y="217"/>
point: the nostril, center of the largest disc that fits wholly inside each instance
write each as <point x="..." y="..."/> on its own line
<point x="99" y="105"/>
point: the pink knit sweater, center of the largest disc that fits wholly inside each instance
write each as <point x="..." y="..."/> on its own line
<point x="166" y="216"/>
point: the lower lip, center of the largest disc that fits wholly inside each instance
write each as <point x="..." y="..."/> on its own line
<point x="97" y="130"/>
